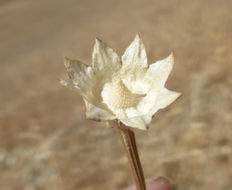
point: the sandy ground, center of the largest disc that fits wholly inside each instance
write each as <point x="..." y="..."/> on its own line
<point x="45" y="141"/>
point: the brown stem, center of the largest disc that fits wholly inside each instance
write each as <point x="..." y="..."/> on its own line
<point x="129" y="143"/>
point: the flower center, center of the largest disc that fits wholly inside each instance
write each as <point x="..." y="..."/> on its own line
<point x="117" y="96"/>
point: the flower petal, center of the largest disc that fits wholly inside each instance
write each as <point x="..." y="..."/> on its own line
<point x="96" y="113"/>
<point x="85" y="81"/>
<point x="73" y="67"/>
<point x="140" y="122"/>
<point x="148" y="102"/>
<point x="158" y="72"/>
<point x="135" y="54"/>
<point x="164" y="98"/>
<point x="131" y="117"/>
<point x="69" y="84"/>
<point x="104" y="57"/>
<point x="80" y="74"/>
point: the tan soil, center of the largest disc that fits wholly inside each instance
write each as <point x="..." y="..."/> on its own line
<point x="45" y="141"/>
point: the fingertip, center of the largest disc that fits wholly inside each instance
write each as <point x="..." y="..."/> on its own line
<point x="159" y="183"/>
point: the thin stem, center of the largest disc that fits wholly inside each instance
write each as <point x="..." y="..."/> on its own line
<point x="129" y="143"/>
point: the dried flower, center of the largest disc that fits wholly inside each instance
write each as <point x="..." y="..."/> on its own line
<point x="128" y="89"/>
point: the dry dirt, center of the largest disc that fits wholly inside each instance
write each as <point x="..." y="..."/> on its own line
<point x="45" y="141"/>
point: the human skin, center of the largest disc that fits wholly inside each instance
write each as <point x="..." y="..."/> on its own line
<point x="159" y="183"/>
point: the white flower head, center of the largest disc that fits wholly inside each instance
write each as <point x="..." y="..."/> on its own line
<point x="127" y="89"/>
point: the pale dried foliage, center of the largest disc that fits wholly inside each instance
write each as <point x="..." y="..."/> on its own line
<point x="45" y="141"/>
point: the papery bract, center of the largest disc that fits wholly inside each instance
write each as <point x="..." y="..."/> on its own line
<point x="127" y="89"/>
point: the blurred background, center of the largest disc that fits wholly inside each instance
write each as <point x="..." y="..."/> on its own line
<point x="45" y="141"/>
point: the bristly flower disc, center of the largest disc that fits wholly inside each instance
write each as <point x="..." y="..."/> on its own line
<point x="127" y="89"/>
